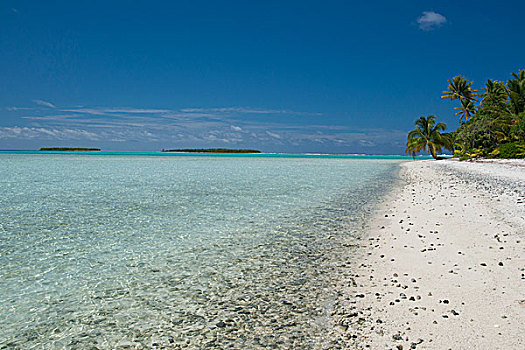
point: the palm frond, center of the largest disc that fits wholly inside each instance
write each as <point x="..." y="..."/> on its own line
<point x="427" y="137"/>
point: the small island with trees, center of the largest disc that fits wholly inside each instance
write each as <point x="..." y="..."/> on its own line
<point x="78" y="149"/>
<point x="211" y="150"/>
<point x="492" y="123"/>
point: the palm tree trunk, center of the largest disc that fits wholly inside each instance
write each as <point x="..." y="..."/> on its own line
<point x="433" y="152"/>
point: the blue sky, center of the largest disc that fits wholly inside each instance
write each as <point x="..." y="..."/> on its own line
<point x="279" y="76"/>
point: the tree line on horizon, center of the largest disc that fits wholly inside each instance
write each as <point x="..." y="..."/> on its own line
<point x="492" y="123"/>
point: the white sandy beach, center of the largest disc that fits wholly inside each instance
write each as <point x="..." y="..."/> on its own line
<point x="444" y="267"/>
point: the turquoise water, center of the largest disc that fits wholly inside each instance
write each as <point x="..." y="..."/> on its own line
<point x="227" y="155"/>
<point x="141" y="251"/>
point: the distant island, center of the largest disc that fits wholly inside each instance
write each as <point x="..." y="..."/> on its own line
<point x="212" y="150"/>
<point x="68" y="149"/>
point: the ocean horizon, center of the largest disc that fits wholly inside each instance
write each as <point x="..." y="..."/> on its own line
<point x="210" y="154"/>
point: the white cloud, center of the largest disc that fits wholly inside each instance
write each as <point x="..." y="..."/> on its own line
<point x="200" y="127"/>
<point x="431" y="20"/>
<point x="367" y="143"/>
<point x="44" y="103"/>
<point x="106" y="111"/>
<point x="91" y="111"/>
<point x="152" y="116"/>
<point x="46" y="133"/>
<point x="14" y="109"/>
<point x="232" y="110"/>
<point x="246" y="110"/>
<point x="50" y="117"/>
<point x="137" y="110"/>
<point x="274" y="135"/>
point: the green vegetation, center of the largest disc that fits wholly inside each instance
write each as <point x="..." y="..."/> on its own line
<point x="212" y="150"/>
<point x="511" y="150"/>
<point x="68" y="149"/>
<point x="428" y="136"/>
<point x="459" y="88"/>
<point x="492" y="123"/>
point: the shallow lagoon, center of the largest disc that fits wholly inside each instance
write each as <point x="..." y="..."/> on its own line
<point x="141" y="251"/>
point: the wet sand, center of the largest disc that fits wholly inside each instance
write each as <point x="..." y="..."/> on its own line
<point x="444" y="263"/>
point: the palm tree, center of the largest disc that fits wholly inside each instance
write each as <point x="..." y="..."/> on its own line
<point x="428" y="136"/>
<point x="459" y="88"/>
<point x="495" y="90"/>
<point x="520" y="75"/>
<point x="516" y="89"/>
<point x="466" y="110"/>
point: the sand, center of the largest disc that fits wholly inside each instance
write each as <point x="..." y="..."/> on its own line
<point x="445" y="262"/>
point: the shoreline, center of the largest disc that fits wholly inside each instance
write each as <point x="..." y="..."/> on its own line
<point x="443" y="262"/>
<point x="204" y="259"/>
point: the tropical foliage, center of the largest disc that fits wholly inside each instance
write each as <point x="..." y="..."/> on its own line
<point x="492" y="123"/>
<point x="459" y="88"/>
<point x="428" y="137"/>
